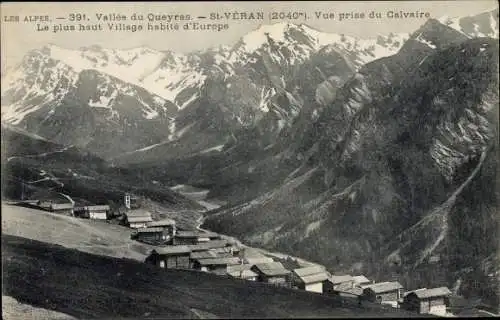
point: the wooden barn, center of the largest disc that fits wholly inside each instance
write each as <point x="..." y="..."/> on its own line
<point x="383" y="292"/>
<point x="170" y="257"/>
<point x="62" y="208"/>
<point x="310" y="278"/>
<point x="137" y="218"/>
<point x="96" y="212"/>
<point x="361" y="280"/>
<point x="55" y="202"/>
<point x="215" y="264"/>
<point x="425" y="301"/>
<point x="273" y="273"/>
<point x="348" y="289"/>
<point x="335" y="280"/>
<point x="154" y="236"/>
<point x="242" y="271"/>
<point x="167" y="224"/>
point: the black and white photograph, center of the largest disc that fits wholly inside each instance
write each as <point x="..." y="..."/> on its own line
<point x="250" y="160"/>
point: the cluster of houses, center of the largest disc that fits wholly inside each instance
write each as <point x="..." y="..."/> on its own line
<point x="63" y="204"/>
<point x="209" y="252"/>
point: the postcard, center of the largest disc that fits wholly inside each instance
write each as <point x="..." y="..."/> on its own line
<point x="278" y="159"/>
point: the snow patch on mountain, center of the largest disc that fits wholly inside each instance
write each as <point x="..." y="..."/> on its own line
<point x="483" y="25"/>
<point x="164" y="74"/>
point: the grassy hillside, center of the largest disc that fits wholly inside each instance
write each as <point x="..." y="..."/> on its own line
<point x="72" y="266"/>
<point x="90" y="286"/>
<point x="15" y="310"/>
<point x="85" y="235"/>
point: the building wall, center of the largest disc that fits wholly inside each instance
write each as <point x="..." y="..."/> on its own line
<point x="328" y="287"/>
<point x="100" y="215"/>
<point x="217" y="268"/>
<point x="423" y="307"/>
<point x="432" y="305"/>
<point x="278" y="281"/>
<point x="182" y="241"/>
<point x="314" y="287"/>
<point x="153" y="237"/>
<point x="438" y="309"/>
<point x="177" y="262"/>
<point x="411" y="303"/>
<point x="385" y="296"/>
<point x="137" y="225"/>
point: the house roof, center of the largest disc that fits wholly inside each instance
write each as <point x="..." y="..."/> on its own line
<point x="161" y="223"/>
<point x="93" y="207"/>
<point x="311" y="274"/>
<point x="149" y="230"/>
<point x="242" y="274"/>
<point x="225" y="249"/>
<point x="382" y="287"/>
<point x="238" y="267"/>
<point x="348" y="288"/>
<point x="172" y="250"/>
<point x="218" y="261"/>
<point x="313" y="278"/>
<point x="257" y="260"/>
<point x="98" y="207"/>
<point x="196" y="234"/>
<point x="339" y="279"/>
<point x="203" y="255"/>
<point x="192" y="234"/>
<point x="430" y="293"/>
<point x="61" y="206"/>
<point x="412" y="291"/>
<point x="138" y="219"/>
<point x="208" y="245"/>
<point x="361" y="279"/>
<point x="301" y="272"/>
<point x="137" y="213"/>
<point x="271" y="269"/>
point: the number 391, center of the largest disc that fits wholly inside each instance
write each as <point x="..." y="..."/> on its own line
<point x="77" y="17"/>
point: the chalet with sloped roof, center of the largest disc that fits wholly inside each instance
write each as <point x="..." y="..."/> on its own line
<point x="153" y="236"/>
<point x="215" y="264"/>
<point x="310" y="278"/>
<point x="423" y="301"/>
<point x="170" y="257"/>
<point x="273" y="273"/>
<point x="242" y="271"/>
<point x="138" y="218"/>
<point x="383" y="292"/>
<point x="94" y="212"/>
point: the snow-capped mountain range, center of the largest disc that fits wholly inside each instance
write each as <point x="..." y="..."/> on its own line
<point x="262" y="81"/>
<point x="167" y="74"/>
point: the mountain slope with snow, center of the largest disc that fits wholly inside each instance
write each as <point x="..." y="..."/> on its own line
<point x="481" y="25"/>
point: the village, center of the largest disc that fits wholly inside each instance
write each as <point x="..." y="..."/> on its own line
<point x="204" y="251"/>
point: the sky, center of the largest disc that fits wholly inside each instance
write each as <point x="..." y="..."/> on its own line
<point x="18" y="38"/>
